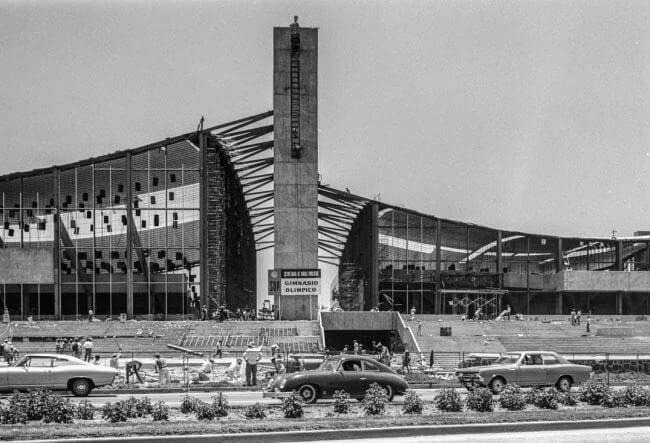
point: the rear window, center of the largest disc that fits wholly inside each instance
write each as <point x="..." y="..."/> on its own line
<point x="550" y="360"/>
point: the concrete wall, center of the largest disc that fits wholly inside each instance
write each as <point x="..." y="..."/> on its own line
<point x="33" y="266"/>
<point x="600" y="281"/>
<point x="295" y="179"/>
<point x="361" y="321"/>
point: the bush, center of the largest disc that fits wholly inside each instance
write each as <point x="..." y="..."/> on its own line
<point x="205" y="411"/>
<point x="480" y="400"/>
<point x="292" y="406"/>
<point x="547" y="399"/>
<point x="12" y="416"/>
<point x="85" y="410"/>
<point x="33" y="404"/>
<point x="567" y="398"/>
<point x="115" y="412"/>
<point x="533" y="395"/>
<point x="448" y="400"/>
<point x="374" y="403"/>
<point x="637" y="395"/>
<point x="341" y="402"/>
<point x="614" y="399"/>
<point x="512" y="398"/>
<point x="255" y="411"/>
<point x="413" y="403"/>
<point x="189" y="404"/>
<point x="220" y="405"/>
<point x="160" y="412"/>
<point x="593" y="392"/>
<point x="137" y="408"/>
<point x="59" y="410"/>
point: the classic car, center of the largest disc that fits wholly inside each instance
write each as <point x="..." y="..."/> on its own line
<point x="351" y="373"/>
<point x="55" y="372"/>
<point x="529" y="368"/>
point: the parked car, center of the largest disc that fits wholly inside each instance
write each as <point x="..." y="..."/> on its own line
<point x="539" y="368"/>
<point x="353" y="374"/>
<point x="55" y="372"/>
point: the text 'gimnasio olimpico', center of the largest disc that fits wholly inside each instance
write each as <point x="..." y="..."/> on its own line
<point x="152" y="231"/>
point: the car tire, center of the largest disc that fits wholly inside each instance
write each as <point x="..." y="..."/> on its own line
<point x="80" y="387"/>
<point x="497" y="385"/>
<point x="564" y="384"/>
<point x="388" y="390"/>
<point x="308" y="393"/>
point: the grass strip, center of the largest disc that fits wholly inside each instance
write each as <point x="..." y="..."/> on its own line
<point x="234" y="425"/>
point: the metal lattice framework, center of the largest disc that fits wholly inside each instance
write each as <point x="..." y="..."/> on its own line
<point x="251" y="152"/>
<point x="337" y="211"/>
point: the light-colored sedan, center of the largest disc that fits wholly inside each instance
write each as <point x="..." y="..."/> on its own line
<point x="55" y="372"/>
<point x="529" y="368"/>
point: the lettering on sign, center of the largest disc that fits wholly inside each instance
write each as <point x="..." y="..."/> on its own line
<point x="300" y="282"/>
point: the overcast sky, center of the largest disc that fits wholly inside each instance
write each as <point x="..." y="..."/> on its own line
<point x="523" y="115"/>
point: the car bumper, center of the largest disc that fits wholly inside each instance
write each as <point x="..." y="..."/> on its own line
<point x="275" y="394"/>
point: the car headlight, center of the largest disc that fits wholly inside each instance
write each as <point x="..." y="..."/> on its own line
<point x="283" y="383"/>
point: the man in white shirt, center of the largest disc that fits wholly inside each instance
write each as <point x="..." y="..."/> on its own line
<point x="88" y="349"/>
<point x="251" y="356"/>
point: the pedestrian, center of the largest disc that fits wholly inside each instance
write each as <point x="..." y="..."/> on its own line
<point x="58" y="346"/>
<point x="133" y="368"/>
<point x="204" y="313"/>
<point x="406" y="361"/>
<point x="588" y="322"/>
<point x="413" y="311"/>
<point x="578" y="315"/>
<point x="419" y="327"/>
<point x="11" y="353"/>
<point x="385" y="356"/>
<point x="355" y="347"/>
<point x="217" y="351"/>
<point x="378" y="348"/>
<point x="279" y="365"/>
<point x="345" y="350"/>
<point x="2" y="348"/>
<point x="251" y="356"/>
<point x="508" y="311"/>
<point x="573" y="317"/>
<point x="431" y="359"/>
<point x="160" y="366"/>
<point x="88" y="349"/>
<point x="373" y="347"/>
<point x="76" y="348"/>
<point x="97" y="358"/>
<point x="91" y="315"/>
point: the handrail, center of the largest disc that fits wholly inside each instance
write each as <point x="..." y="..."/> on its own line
<point x="322" y="330"/>
<point x="410" y="333"/>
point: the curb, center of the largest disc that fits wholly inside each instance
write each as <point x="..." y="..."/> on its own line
<point x="369" y="433"/>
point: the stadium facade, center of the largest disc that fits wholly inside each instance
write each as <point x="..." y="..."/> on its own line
<point x="161" y="230"/>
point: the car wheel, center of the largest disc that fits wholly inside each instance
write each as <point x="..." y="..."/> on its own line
<point x="497" y="385"/>
<point x="388" y="390"/>
<point x="308" y="393"/>
<point x="564" y="384"/>
<point x="80" y="387"/>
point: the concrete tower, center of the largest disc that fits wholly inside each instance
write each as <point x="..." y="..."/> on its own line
<point x="295" y="82"/>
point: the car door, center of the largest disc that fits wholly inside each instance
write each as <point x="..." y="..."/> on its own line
<point x="531" y="370"/>
<point x="39" y="372"/>
<point x="352" y="376"/>
<point x="370" y="374"/>
<point x="62" y="371"/>
<point x="554" y="368"/>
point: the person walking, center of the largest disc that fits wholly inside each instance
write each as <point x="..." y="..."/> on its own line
<point x="217" y="351"/>
<point x="385" y="356"/>
<point x="419" y="327"/>
<point x="413" y="311"/>
<point x="573" y="317"/>
<point x="406" y="361"/>
<point x="251" y="356"/>
<point x="588" y="322"/>
<point x="88" y="349"/>
<point x="355" y="347"/>
<point x="578" y="315"/>
<point x="508" y="311"/>
<point x="76" y="348"/>
<point x="431" y="359"/>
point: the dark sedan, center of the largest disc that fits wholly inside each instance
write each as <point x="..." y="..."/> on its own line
<point x="352" y="374"/>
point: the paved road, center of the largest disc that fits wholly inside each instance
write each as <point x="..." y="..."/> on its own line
<point x="636" y="434"/>
<point x="236" y="398"/>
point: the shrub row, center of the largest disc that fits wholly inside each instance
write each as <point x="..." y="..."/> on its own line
<point x="40" y="405"/>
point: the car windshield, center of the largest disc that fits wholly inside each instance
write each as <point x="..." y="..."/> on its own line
<point x="330" y="365"/>
<point x="507" y="359"/>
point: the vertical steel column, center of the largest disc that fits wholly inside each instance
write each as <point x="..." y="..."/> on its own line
<point x="438" y="301"/>
<point x="619" y="255"/>
<point x="21" y="217"/>
<point x="129" y="235"/>
<point x="560" y="256"/>
<point x="56" y="244"/>
<point x="374" y="284"/>
<point x="203" y="218"/>
<point x="500" y="255"/>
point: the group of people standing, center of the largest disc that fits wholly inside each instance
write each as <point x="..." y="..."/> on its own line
<point x="8" y="351"/>
<point x="76" y="348"/>
<point x="575" y="317"/>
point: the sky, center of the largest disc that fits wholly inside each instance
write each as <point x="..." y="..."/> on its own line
<point x="521" y="115"/>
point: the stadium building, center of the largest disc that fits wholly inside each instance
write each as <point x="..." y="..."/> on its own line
<point x="160" y="230"/>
